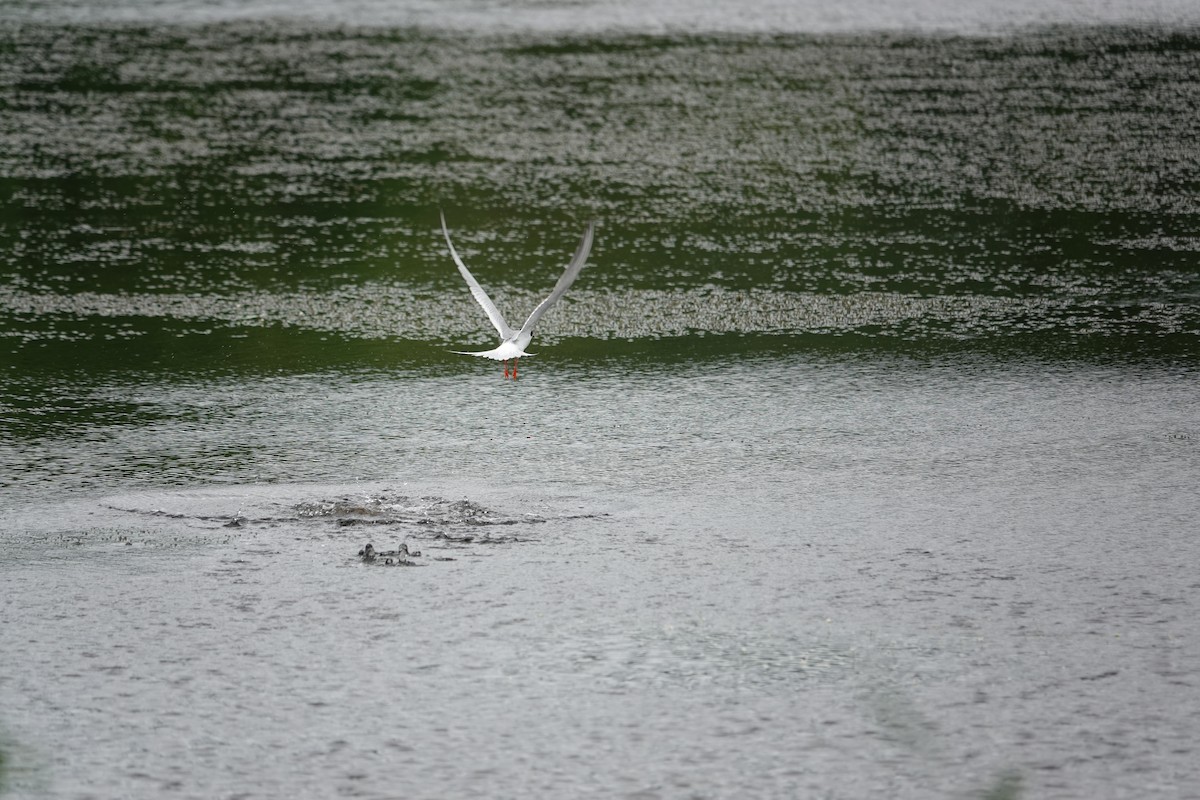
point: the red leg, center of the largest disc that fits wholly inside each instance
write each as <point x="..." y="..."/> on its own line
<point x="505" y="362"/>
<point x="514" y="369"/>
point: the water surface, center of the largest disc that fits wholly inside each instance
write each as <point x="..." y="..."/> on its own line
<point x="859" y="461"/>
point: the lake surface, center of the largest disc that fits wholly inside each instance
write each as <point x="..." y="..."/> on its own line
<point x="859" y="462"/>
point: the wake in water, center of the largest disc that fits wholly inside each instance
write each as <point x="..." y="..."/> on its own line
<point x="174" y="518"/>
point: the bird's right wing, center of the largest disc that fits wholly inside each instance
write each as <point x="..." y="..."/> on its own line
<point x="477" y="291"/>
<point x="568" y="277"/>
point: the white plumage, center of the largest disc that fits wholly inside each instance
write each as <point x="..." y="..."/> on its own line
<point x="513" y="343"/>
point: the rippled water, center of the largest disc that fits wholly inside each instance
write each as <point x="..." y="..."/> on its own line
<point x="859" y="461"/>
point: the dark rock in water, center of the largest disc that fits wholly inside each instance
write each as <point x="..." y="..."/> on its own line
<point x="236" y="522"/>
<point x="450" y="538"/>
<point x="368" y="553"/>
<point x="347" y="522"/>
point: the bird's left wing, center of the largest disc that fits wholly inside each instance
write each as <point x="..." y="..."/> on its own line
<point x="477" y="291"/>
<point x="564" y="283"/>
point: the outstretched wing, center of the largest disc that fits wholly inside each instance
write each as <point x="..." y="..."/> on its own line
<point x="564" y="283"/>
<point x="477" y="291"/>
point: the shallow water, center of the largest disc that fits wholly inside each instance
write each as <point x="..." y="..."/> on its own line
<point x="859" y="462"/>
<point x="835" y="578"/>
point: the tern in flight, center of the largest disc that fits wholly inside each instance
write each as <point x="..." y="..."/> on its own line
<point x="513" y="343"/>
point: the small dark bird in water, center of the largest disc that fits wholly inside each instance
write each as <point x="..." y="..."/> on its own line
<point x="398" y="557"/>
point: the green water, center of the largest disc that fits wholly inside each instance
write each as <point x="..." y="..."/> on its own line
<point x="859" y="461"/>
<point x="264" y="196"/>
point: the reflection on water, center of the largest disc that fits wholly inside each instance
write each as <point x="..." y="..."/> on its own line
<point x="882" y="378"/>
<point x="275" y="176"/>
